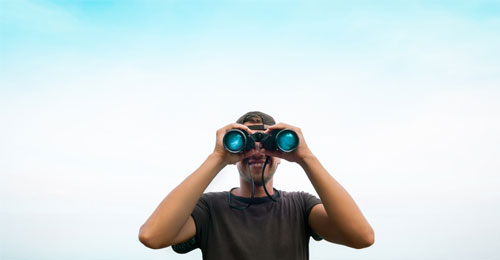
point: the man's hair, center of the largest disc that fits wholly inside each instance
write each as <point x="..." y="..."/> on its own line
<point x="256" y="117"/>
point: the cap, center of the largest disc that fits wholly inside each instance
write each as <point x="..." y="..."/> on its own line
<point x="265" y="118"/>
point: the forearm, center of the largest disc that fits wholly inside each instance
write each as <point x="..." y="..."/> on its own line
<point x="343" y="213"/>
<point x="172" y="213"/>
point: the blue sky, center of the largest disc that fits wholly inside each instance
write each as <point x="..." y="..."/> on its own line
<point x="107" y="105"/>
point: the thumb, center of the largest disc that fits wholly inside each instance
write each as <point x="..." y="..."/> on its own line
<point x="272" y="153"/>
<point x="247" y="154"/>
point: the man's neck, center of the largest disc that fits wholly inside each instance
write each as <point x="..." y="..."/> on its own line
<point x="245" y="189"/>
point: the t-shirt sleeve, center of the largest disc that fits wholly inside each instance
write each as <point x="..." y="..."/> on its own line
<point x="200" y="216"/>
<point x="309" y="202"/>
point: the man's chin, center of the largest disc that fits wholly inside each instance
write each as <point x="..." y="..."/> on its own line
<point x="256" y="176"/>
<point x="256" y="172"/>
<point x="256" y="168"/>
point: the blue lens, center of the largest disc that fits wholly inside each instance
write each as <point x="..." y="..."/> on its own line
<point x="234" y="141"/>
<point x="287" y="140"/>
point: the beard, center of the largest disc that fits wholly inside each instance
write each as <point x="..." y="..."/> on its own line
<point x="257" y="180"/>
<point x="251" y="169"/>
<point x="255" y="174"/>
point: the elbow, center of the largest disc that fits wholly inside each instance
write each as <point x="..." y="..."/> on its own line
<point x="149" y="240"/>
<point x="365" y="240"/>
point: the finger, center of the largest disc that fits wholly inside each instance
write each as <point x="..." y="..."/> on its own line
<point x="238" y="126"/>
<point x="272" y="153"/>
<point x="247" y="154"/>
<point x="279" y="126"/>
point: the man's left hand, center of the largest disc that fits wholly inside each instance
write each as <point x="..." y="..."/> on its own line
<point x="299" y="154"/>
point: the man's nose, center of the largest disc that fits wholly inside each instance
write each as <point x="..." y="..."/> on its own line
<point x="257" y="146"/>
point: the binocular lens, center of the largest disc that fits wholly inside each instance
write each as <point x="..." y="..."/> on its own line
<point x="287" y="140"/>
<point x="234" y="141"/>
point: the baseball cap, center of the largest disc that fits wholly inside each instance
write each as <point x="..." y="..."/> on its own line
<point x="265" y="118"/>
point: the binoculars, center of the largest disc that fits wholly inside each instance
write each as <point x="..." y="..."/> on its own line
<point x="237" y="141"/>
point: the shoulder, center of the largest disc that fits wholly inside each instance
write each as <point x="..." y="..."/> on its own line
<point x="302" y="195"/>
<point x="304" y="199"/>
<point x="210" y="198"/>
<point x="208" y="202"/>
<point x="214" y="195"/>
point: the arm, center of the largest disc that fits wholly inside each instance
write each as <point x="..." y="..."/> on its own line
<point x="171" y="222"/>
<point x="338" y="219"/>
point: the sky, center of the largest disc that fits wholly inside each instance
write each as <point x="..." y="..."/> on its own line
<point x="106" y="106"/>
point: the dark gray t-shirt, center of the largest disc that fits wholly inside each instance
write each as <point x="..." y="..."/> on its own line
<point x="265" y="230"/>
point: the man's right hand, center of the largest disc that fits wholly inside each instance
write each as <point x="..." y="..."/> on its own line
<point x="172" y="222"/>
<point x="225" y="156"/>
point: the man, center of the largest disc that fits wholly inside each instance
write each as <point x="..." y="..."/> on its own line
<point x="255" y="220"/>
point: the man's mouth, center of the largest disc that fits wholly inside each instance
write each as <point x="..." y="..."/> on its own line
<point x="256" y="163"/>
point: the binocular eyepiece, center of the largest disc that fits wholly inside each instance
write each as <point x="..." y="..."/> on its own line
<point x="285" y="140"/>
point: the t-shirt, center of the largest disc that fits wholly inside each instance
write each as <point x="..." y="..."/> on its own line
<point x="265" y="230"/>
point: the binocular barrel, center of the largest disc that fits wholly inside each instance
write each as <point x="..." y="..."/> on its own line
<point x="237" y="141"/>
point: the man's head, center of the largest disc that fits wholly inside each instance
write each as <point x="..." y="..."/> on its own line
<point x="256" y="162"/>
<point x="256" y="117"/>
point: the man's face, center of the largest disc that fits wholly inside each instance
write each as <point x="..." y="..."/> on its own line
<point x="256" y="164"/>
